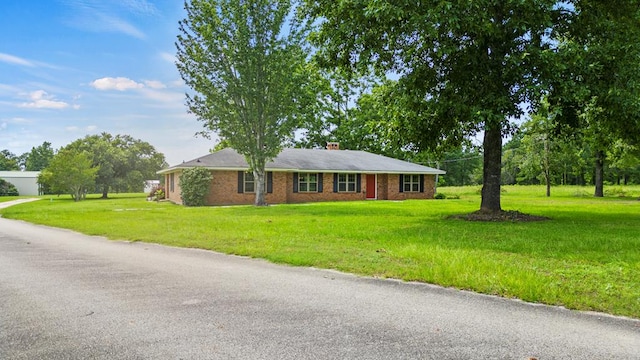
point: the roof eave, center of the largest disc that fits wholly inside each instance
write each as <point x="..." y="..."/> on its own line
<point x="347" y="171"/>
<point x="184" y="167"/>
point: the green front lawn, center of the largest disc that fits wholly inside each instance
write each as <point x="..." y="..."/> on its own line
<point x="10" y="198"/>
<point x="586" y="257"/>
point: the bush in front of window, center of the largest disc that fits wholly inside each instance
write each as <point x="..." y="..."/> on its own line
<point x="157" y="193"/>
<point x="194" y="184"/>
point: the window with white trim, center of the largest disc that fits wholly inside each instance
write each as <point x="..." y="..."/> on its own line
<point x="249" y="183"/>
<point x="347" y="182"/>
<point x="308" y="182"/>
<point x="411" y="183"/>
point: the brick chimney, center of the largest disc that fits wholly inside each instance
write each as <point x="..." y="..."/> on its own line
<point x="333" y="146"/>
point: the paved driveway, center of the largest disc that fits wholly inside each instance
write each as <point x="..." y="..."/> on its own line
<point x="68" y="296"/>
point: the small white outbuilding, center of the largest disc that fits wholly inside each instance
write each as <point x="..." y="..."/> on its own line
<point x="150" y="185"/>
<point x="26" y="182"/>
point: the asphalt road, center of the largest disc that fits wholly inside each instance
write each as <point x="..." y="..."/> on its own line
<point x="68" y="296"/>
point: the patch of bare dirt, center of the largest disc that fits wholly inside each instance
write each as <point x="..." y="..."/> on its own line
<point x="501" y="216"/>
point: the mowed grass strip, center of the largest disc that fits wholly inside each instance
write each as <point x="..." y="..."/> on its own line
<point x="11" y="198"/>
<point x="587" y="257"/>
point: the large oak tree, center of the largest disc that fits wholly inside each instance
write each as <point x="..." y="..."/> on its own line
<point x="124" y="162"/>
<point x="246" y="64"/>
<point x="464" y="67"/>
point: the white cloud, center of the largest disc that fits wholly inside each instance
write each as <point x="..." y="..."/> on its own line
<point x="109" y="16"/>
<point x="118" y="83"/>
<point x="178" y="83"/>
<point x="19" y="120"/>
<point x="114" y="24"/>
<point x="41" y="100"/>
<point x="155" y="84"/>
<point x="81" y="129"/>
<point x="3" y="125"/>
<point x="18" y="141"/>
<point x="8" y="89"/>
<point x="14" y="60"/>
<point x="142" y="7"/>
<point x="169" y="98"/>
<point x="150" y="89"/>
<point x="168" y="57"/>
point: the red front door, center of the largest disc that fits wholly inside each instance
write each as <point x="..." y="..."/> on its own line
<point x="371" y="186"/>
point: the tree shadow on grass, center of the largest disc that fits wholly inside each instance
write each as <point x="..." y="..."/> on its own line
<point x="500" y="216"/>
<point x="115" y="196"/>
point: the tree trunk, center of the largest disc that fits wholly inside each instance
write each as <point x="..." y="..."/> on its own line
<point x="599" y="176"/>
<point x="76" y="194"/>
<point x="258" y="176"/>
<point x="581" y="178"/>
<point x="547" y="166"/>
<point x="105" y="191"/>
<point x="548" y="188"/>
<point x="492" y="167"/>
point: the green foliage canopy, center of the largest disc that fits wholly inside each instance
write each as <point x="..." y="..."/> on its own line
<point x="71" y="172"/>
<point x="356" y="116"/>
<point x="596" y="83"/>
<point x="39" y="157"/>
<point x="124" y="162"/>
<point x="246" y="64"/>
<point x="597" y="78"/>
<point x="8" y="161"/>
<point x="463" y="67"/>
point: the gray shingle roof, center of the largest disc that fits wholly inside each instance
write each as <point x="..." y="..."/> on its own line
<point x="294" y="160"/>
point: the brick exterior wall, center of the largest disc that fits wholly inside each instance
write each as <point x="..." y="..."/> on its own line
<point x="383" y="185"/>
<point x="393" y="189"/>
<point x="173" y="191"/>
<point x="327" y="193"/>
<point x="224" y="189"/>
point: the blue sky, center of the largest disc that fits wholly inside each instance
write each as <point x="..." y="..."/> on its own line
<point x="69" y="68"/>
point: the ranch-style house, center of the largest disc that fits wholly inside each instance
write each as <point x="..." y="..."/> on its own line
<point x="309" y="175"/>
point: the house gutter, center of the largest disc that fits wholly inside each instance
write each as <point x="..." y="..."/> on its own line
<point x="343" y="171"/>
